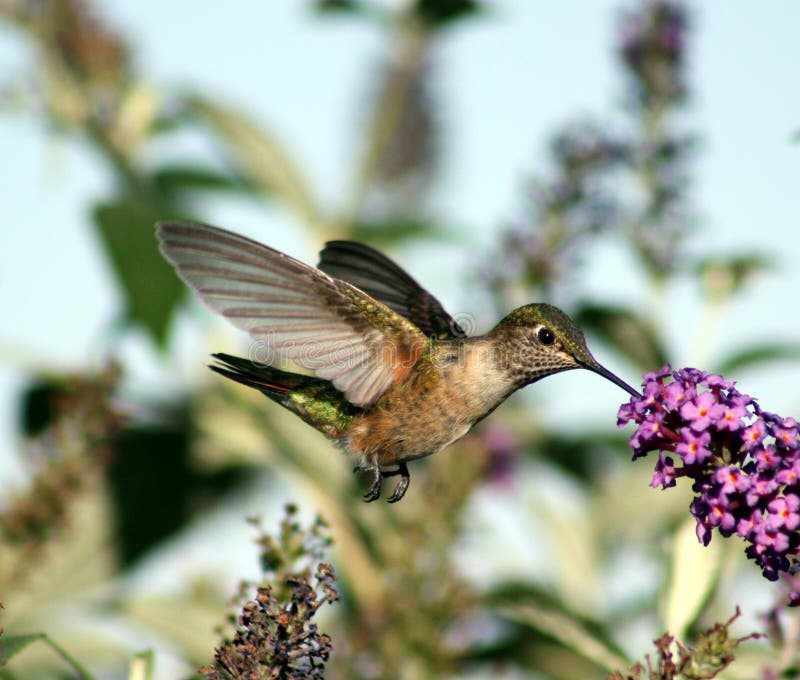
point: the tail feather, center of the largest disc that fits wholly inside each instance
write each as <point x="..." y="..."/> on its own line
<point x="316" y="401"/>
<point x="273" y="382"/>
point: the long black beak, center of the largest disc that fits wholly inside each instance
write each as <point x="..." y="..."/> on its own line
<point x="608" y="375"/>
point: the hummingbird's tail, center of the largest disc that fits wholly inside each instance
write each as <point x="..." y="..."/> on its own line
<point x="315" y="400"/>
<point x="273" y="382"/>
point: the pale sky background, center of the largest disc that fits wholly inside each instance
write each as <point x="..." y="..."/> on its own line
<point x="507" y="81"/>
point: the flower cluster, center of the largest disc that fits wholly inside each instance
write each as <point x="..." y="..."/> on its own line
<point x="744" y="462"/>
<point x="712" y="653"/>
<point x="275" y="636"/>
<point x="653" y="49"/>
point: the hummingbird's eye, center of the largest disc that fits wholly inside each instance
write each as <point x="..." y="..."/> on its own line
<point x="546" y="336"/>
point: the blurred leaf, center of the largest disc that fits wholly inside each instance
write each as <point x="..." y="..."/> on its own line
<point x="38" y="406"/>
<point x="438" y="13"/>
<point x="511" y="593"/>
<point x="149" y="480"/>
<point x="393" y="231"/>
<point x="624" y="330"/>
<point x="135" y="117"/>
<point x="339" y="6"/>
<point x="142" y="666"/>
<point x="10" y="645"/>
<point x="724" y="276"/>
<point x="154" y="487"/>
<point x="693" y="575"/>
<point x="568" y="631"/>
<point x="172" y="180"/>
<point x="528" y="649"/>
<point x="575" y="545"/>
<point x="151" y="289"/>
<point x="577" y="455"/>
<point x="170" y="121"/>
<point x="520" y="594"/>
<point x="187" y="622"/>
<point x="13" y="644"/>
<point x="757" y="355"/>
<point x="260" y="155"/>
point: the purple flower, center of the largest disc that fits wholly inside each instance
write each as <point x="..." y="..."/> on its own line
<point x="731" y="479"/>
<point x="677" y="394"/>
<point x="703" y="532"/>
<point x="717" y="382"/>
<point x="774" y="540"/>
<point x="664" y="475"/>
<point x="783" y="513"/>
<point x="650" y="395"/>
<point x="701" y="411"/>
<point x="693" y="448"/>
<point x="715" y="512"/>
<point x="732" y="417"/>
<point x="790" y="475"/>
<point x="786" y="435"/>
<point x="746" y="527"/>
<point x="692" y="376"/>
<point x="754" y="434"/>
<point x="650" y="431"/>
<point x="761" y="486"/>
<point x="625" y="414"/>
<point x="743" y="462"/>
<point x="664" y="372"/>
<point x="766" y="458"/>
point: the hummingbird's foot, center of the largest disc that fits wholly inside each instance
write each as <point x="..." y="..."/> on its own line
<point x="402" y="485"/>
<point x="374" y="491"/>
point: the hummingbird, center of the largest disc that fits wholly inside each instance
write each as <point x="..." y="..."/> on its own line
<point x="396" y="377"/>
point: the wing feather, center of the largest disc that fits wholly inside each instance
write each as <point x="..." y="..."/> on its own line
<point x="383" y="279"/>
<point x="298" y="312"/>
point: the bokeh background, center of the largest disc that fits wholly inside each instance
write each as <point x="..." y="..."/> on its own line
<point x="633" y="162"/>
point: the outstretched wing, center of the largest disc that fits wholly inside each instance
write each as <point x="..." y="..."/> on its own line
<point x="296" y="311"/>
<point x="375" y="274"/>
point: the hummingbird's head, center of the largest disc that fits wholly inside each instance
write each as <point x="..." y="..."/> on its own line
<point x="540" y="340"/>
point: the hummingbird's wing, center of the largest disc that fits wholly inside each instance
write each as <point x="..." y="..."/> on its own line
<point x="380" y="277"/>
<point x="295" y="311"/>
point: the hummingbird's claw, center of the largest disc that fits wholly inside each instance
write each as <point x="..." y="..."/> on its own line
<point x="402" y="485"/>
<point x="374" y="491"/>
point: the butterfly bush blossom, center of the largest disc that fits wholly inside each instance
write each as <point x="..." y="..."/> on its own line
<point x="743" y="461"/>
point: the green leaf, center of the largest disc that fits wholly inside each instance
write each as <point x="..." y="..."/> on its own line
<point x="151" y="289"/>
<point x="186" y="621"/>
<point x="11" y="645"/>
<point x="625" y="331"/>
<point x="757" y="355"/>
<point x="694" y="570"/>
<point x="172" y="180"/>
<point x="438" y="13"/>
<point x="338" y="6"/>
<point x="726" y="275"/>
<point x="566" y="630"/>
<point x="260" y="157"/>
<point x="393" y="231"/>
<point x="577" y="455"/>
<point x="142" y="666"/>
